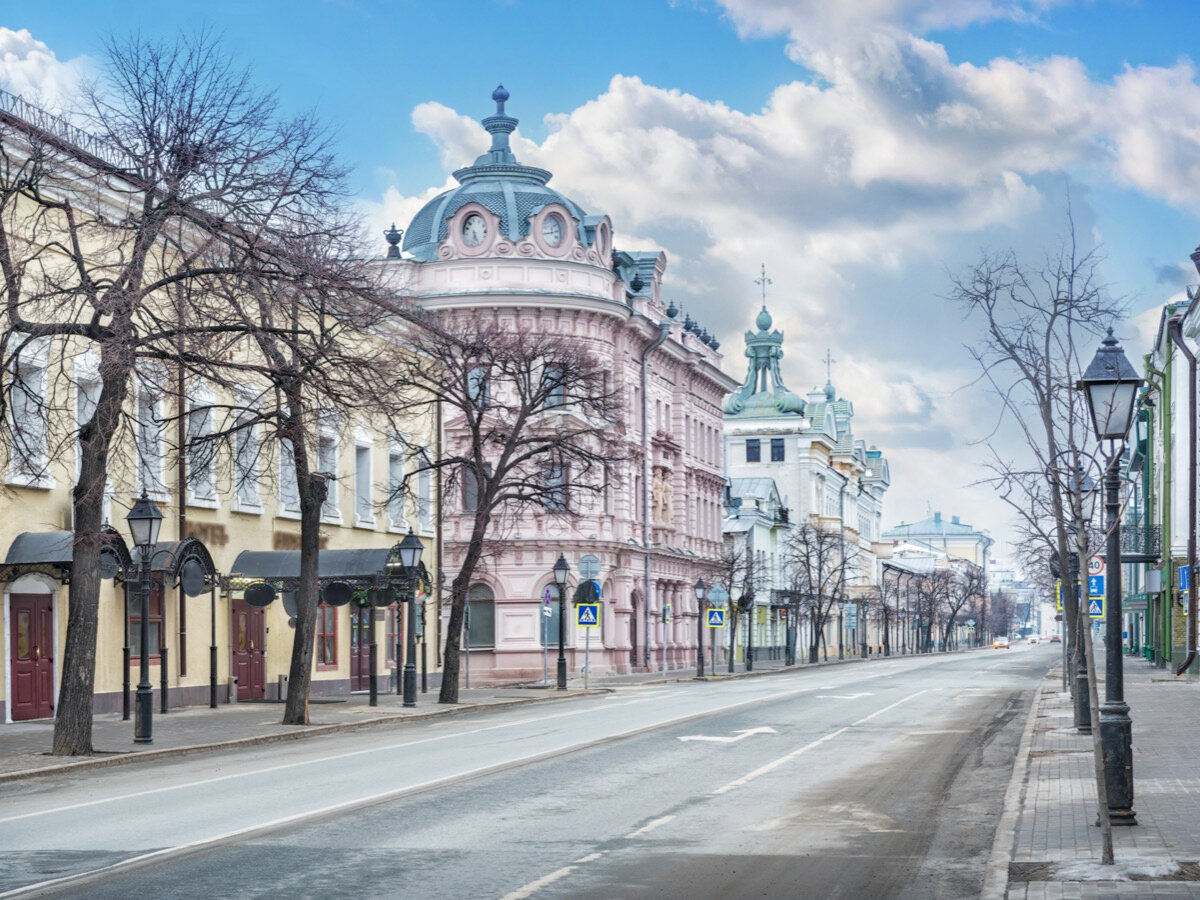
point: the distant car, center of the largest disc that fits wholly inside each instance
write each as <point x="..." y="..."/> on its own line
<point x="1055" y="639"/>
<point x="1000" y="643"/>
<point x="1033" y="639"/>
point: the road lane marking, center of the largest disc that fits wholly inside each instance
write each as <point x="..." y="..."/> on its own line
<point x="842" y="696"/>
<point x="783" y="760"/>
<point x="534" y="886"/>
<point x="726" y="739"/>
<point x="648" y="827"/>
<point x="403" y="745"/>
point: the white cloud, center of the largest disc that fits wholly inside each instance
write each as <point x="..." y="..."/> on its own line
<point x="29" y="68"/>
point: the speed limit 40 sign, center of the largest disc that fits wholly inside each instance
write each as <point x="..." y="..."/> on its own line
<point x="1096" y="566"/>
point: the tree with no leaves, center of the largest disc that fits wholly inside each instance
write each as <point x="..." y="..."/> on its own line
<point x="1040" y="324"/>
<point x="818" y="561"/>
<point x="531" y="422"/>
<point x="187" y="168"/>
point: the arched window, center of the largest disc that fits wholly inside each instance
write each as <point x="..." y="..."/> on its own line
<point x="481" y="616"/>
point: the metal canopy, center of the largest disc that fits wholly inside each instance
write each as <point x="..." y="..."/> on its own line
<point x="53" y="552"/>
<point x="368" y="567"/>
<point x="188" y="562"/>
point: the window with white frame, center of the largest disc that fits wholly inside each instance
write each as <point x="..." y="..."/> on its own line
<point x="364" y="512"/>
<point x="245" y="462"/>
<point x="397" y="521"/>
<point x="555" y="496"/>
<point x="327" y="459"/>
<point x="477" y="386"/>
<point x="201" y="449"/>
<point x="552" y="384"/>
<point x="87" y="398"/>
<point x="424" y="493"/>
<point x="29" y="444"/>
<point x="151" y="456"/>
<point x="289" y="490"/>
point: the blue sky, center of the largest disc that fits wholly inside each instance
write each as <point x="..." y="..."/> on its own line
<point x="860" y="150"/>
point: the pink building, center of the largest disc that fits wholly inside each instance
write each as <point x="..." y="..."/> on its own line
<point x="505" y="240"/>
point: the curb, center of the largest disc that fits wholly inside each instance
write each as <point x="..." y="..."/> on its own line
<point x="995" y="879"/>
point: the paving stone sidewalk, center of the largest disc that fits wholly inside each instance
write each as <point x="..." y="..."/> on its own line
<point x="1054" y="787"/>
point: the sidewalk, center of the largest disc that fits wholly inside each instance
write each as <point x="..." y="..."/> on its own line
<point x="1048" y="845"/>
<point x="25" y="746"/>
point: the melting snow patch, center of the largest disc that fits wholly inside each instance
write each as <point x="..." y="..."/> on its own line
<point x="1129" y="869"/>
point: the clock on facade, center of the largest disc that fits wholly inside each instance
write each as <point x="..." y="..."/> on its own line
<point x="474" y="230"/>
<point x="552" y="229"/>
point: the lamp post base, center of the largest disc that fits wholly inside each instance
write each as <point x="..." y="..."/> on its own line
<point x="143" y="721"/>
<point x="410" y="684"/>
<point x="1083" y="708"/>
<point x="1116" y="742"/>
<point x="562" y="673"/>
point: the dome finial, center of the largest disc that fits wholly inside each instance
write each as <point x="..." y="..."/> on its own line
<point x="499" y="95"/>
<point x="393" y="235"/>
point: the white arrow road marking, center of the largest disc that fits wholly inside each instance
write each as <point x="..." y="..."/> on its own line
<point x="744" y="733"/>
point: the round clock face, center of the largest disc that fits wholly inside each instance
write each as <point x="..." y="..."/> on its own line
<point x="552" y="229"/>
<point x="474" y="230"/>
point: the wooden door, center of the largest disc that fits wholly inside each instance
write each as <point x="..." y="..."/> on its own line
<point x="32" y="656"/>
<point x="249" y="650"/>
<point x="360" y="647"/>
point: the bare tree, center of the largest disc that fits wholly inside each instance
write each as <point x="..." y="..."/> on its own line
<point x="965" y="588"/>
<point x="737" y="572"/>
<point x="187" y="169"/>
<point x="532" y="423"/>
<point x="1034" y="320"/>
<point x="818" y="560"/>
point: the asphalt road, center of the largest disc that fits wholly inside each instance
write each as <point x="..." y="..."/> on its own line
<point x="883" y="780"/>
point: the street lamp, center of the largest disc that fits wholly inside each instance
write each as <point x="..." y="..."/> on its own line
<point x="561" y="570"/>
<point x="1110" y="385"/>
<point x="410" y="557"/>
<point x="700" y="589"/>
<point x="144" y="520"/>
<point x="841" y="611"/>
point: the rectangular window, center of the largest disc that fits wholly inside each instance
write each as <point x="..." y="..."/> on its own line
<point x="363" y="509"/>
<point x="395" y="487"/>
<point x="245" y="464"/>
<point x="154" y="620"/>
<point x="289" y="490"/>
<point x="481" y="617"/>
<point x="555" y="497"/>
<point x="201" y="453"/>
<point x="425" y="497"/>
<point x="149" y="444"/>
<point x="776" y="449"/>
<point x="552" y="384"/>
<point x="327" y="457"/>
<point x="326" y="636"/>
<point x="477" y="386"/>
<point x="30" y="419"/>
<point x="753" y="450"/>
<point x="470" y="486"/>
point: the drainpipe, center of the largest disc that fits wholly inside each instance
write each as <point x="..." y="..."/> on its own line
<point x="664" y="331"/>
<point x="1175" y="330"/>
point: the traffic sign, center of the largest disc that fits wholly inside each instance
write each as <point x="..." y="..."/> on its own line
<point x="666" y="613"/>
<point x="547" y="612"/>
<point x="1095" y="585"/>
<point x="1058" y="595"/>
<point x="1096" y="566"/>
<point x="1184" y="577"/>
<point x="588" y="615"/>
<point x="716" y="618"/>
<point x="1096" y="608"/>
<point x="589" y="567"/>
<point x="547" y="594"/>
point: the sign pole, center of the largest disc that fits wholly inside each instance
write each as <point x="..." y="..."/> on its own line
<point x="587" y="656"/>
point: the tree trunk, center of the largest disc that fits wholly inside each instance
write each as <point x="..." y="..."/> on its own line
<point x="73" y="718"/>
<point x="313" y="491"/>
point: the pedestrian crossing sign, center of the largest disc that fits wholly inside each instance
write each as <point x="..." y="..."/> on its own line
<point x="1096" y="608"/>
<point x="588" y="615"/>
<point x="716" y="618"/>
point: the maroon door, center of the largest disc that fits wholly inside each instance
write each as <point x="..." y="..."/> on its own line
<point x="249" y="645"/>
<point x="360" y="647"/>
<point x="32" y="656"/>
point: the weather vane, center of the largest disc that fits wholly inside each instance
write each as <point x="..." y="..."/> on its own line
<point x="829" y="361"/>
<point x="762" y="282"/>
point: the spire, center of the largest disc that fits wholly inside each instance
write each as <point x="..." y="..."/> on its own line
<point x="763" y="393"/>
<point x="499" y="126"/>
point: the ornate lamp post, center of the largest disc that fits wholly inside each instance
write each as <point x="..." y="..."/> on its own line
<point x="144" y="520"/>
<point x="700" y="589"/>
<point x="561" y="570"/>
<point x="410" y="557"/>
<point x="1110" y="385"/>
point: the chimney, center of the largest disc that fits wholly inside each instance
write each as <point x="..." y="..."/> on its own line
<point x="954" y="520"/>
<point x="937" y="518"/>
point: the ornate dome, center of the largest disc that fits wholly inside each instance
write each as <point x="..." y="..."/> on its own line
<point x="496" y="181"/>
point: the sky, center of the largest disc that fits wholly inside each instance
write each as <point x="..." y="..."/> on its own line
<point x="863" y="151"/>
